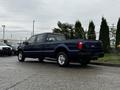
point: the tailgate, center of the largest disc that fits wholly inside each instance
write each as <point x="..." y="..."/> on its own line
<point x="92" y="45"/>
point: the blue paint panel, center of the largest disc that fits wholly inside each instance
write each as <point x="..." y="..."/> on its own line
<point x="47" y="49"/>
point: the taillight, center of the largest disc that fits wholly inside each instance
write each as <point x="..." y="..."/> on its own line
<point x="80" y="45"/>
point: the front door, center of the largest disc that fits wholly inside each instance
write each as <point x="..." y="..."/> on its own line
<point x="30" y="47"/>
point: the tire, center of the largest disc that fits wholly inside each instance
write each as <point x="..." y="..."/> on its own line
<point x="21" y="57"/>
<point x="40" y="59"/>
<point x="84" y="62"/>
<point x="62" y="59"/>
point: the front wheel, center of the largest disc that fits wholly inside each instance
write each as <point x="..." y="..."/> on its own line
<point x="62" y="59"/>
<point x="21" y="57"/>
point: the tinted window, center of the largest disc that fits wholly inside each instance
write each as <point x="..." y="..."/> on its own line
<point x="51" y="38"/>
<point x="2" y="44"/>
<point x="32" y="39"/>
<point x="60" y="38"/>
<point x="55" y="37"/>
<point x="12" y="43"/>
<point x="39" y="38"/>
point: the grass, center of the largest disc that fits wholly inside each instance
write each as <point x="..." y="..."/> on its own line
<point x="110" y="58"/>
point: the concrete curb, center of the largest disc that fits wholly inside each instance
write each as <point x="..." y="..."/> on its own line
<point x="105" y="64"/>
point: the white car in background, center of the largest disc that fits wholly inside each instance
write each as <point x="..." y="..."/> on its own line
<point x="5" y="50"/>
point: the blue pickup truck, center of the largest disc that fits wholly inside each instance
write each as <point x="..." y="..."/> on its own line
<point x="64" y="51"/>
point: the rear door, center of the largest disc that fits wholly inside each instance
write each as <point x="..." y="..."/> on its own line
<point x="93" y="46"/>
<point x="50" y="45"/>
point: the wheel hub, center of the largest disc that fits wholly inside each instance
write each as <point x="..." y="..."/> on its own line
<point x="61" y="59"/>
<point x="20" y="56"/>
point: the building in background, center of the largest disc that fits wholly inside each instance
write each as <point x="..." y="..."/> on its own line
<point x="112" y="34"/>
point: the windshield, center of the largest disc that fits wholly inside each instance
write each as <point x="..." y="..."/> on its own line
<point x="2" y="44"/>
<point x="12" y="43"/>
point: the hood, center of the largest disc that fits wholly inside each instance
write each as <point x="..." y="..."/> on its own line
<point x="4" y="47"/>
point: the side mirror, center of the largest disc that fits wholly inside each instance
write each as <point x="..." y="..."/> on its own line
<point x="25" y="42"/>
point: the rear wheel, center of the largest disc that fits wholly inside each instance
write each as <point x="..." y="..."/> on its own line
<point x="84" y="62"/>
<point x="41" y="59"/>
<point x="21" y="57"/>
<point x="62" y="59"/>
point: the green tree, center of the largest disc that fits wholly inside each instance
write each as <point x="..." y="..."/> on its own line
<point x="118" y="33"/>
<point x="79" y="31"/>
<point x="104" y="35"/>
<point x="91" y="31"/>
<point x="56" y="30"/>
<point x="66" y="29"/>
<point x="71" y="31"/>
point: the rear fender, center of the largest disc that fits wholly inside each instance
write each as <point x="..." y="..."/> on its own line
<point x="62" y="46"/>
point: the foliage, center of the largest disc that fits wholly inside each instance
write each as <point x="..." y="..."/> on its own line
<point x="91" y="31"/>
<point x="104" y="35"/>
<point x="110" y="58"/>
<point x="56" y="30"/>
<point x="118" y="33"/>
<point x="66" y="29"/>
<point x="79" y="31"/>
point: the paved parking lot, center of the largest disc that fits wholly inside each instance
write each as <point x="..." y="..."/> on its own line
<point x="32" y="75"/>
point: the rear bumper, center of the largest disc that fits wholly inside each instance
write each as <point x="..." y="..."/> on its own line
<point x="86" y="55"/>
<point x="89" y="55"/>
<point x="99" y="54"/>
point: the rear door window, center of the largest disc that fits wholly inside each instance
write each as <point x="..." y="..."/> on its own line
<point x="51" y="38"/>
<point x="55" y="37"/>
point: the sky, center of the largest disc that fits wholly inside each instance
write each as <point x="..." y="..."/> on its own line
<point x="18" y="15"/>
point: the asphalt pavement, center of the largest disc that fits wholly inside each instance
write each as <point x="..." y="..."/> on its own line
<point x="32" y="75"/>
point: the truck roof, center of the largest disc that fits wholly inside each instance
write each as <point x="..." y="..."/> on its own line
<point x="50" y="33"/>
